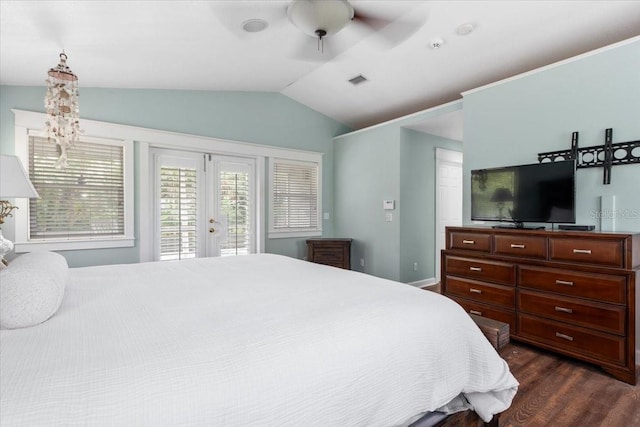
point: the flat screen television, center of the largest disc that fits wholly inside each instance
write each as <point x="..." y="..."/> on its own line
<point x="536" y="193"/>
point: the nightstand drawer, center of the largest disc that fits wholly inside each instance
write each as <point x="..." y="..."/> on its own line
<point x="492" y="271"/>
<point x="600" y="287"/>
<point x="603" y="317"/>
<point x="487" y="311"/>
<point x="328" y="251"/>
<point x="328" y="254"/>
<point x="594" y="344"/>
<point x="589" y="251"/>
<point x="470" y="241"/>
<point x="482" y="292"/>
<point x="527" y="246"/>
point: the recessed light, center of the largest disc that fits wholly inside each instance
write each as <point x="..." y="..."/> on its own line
<point x="254" y="25"/>
<point x="465" y="29"/>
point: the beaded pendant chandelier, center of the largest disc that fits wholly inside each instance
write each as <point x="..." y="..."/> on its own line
<point x="61" y="103"/>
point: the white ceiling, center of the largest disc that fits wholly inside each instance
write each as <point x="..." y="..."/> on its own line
<point x="199" y="45"/>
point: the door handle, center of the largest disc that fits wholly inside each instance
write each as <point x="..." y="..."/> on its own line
<point x="212" y="230"/>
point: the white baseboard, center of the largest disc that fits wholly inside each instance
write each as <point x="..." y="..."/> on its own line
<point x="424" y="282"/>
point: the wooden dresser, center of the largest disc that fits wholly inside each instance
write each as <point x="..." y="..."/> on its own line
<point x="330" y="251"/>
<point x="571" y="292"/>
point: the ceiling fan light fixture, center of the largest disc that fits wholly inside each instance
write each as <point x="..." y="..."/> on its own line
<point x="320" y="18"/>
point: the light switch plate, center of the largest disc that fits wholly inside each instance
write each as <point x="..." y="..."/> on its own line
<point x="388" y="205"/>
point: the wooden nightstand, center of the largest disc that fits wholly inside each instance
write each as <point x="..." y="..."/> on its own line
<point x="330" y="251"/>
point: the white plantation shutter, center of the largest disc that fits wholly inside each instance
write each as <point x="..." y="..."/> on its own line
<point x="178" y="213"/>
<point x="235" y="206"/>
<point x="295" y="197"/>
<point x="82" y="201"/>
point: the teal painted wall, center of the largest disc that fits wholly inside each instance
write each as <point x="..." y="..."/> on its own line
<point x="389" y="162"/>
<point x="510" y="123"/>
<point x="256" y="117"/>
<point x="367" y="171"/>
<point x="418" y="193"/>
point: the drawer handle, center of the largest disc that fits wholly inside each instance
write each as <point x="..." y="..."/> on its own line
<point x="564" y="310"/>
<point x="477" y="313"/>
<point x="475" y="291"/>
<point x="582" y="251"/>
<point x="564" y="337"/>
<point x="564" y="282"/>
<point x="517" y="246"/>
<point x="468" y="242"/>
<point x="475" y="268"/>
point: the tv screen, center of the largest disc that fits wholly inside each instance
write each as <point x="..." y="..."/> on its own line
<point x="541" y="192"/>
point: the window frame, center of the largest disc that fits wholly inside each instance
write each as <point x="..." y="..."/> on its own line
<point x="309" y="232"/>
<point x="28" y="125"/>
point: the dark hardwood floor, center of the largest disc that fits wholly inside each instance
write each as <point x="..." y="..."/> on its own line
<point x="556" y="391"/>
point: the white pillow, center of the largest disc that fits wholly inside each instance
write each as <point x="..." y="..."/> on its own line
<point x="31" y="289"/>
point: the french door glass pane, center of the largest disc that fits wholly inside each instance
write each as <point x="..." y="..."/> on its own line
<point x="235" y="207"/>
<point x="178" y="213"/>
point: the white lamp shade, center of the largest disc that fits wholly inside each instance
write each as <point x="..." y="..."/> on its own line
<point x="14" y="181"/>
<point x="328" y="15"/>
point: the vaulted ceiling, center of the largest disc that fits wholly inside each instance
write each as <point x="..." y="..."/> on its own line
<point x="201" y="45"/>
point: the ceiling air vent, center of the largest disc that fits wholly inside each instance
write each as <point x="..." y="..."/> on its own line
<point x="358" y="79"/>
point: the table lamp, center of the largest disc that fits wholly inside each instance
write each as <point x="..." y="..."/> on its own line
<point x="14" y="183"/>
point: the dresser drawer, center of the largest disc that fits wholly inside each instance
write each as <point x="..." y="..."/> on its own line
<point x="470" y="241"/>
<point x="589" y="251"/>
<point x="492" y="271"/>
<point x="525" y="246"/>
<point x="484" y="310"/>
<point x="596" y="345"/>
<point x="601" y="287"/>
<point x="603" y="317"/>
<point x="482" y="292"/>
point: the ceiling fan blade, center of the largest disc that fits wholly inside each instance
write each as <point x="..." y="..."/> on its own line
<point x="390" y="32"/>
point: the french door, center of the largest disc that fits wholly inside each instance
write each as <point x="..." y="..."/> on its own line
<point x="204" y="205"/>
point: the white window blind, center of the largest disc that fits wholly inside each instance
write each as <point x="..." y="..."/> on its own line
<point x="84" y="200"/>
<point x="178" y="213"/>
<point x="235" y="205"/>
<point x="295" y="197"/>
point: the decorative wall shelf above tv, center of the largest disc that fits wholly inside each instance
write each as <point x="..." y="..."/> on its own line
<point x="606" y="155"/>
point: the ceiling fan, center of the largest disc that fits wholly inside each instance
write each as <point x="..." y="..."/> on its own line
<point x="324" y="18"/>
<point x="321" y="20"/>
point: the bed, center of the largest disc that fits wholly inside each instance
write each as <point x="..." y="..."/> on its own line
<point x="257" y="340"/>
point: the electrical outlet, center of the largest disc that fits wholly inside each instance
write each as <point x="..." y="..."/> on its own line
<point x="361" y="262"/>
<point x="415" y="266"/>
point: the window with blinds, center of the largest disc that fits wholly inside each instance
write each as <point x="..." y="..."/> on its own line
<point x="294" y="197"/>
<point x="82" y="201"/>
<point x="178" y="213"/>
<point x="235" y="206"/>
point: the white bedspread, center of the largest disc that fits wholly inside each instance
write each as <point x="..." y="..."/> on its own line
<point x="259" y="340"/>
